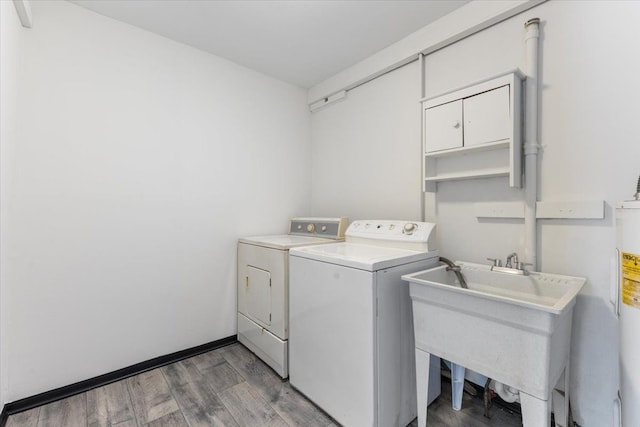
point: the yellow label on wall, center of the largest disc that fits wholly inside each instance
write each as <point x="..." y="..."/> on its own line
<point x="630" y="279"/>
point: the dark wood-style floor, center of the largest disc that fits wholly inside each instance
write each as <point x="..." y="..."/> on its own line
<point x="225" y="387"/>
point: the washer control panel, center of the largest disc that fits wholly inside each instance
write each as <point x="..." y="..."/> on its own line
<point x="330" y="228"/>
<point x="402" y="231"/>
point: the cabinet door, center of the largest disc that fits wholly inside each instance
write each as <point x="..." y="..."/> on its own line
<point x="487" y="117"/>
<point x="443" y="127"/>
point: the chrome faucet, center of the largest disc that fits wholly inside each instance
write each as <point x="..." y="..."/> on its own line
<point x="495" y="262"/>
<point x="512" y="265"/>
<point x="512" y="261"/>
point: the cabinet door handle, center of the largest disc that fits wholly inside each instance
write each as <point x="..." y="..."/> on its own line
<point x="456" y="124"/>
<point x="247" y="277"/>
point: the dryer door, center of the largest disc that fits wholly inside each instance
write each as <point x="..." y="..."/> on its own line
<point x="263" y="287"/>
<point x="258" y="294"/>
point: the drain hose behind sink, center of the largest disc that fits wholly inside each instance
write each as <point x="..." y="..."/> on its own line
<point x="456" y="270"/>
<point x="507" y="393"/>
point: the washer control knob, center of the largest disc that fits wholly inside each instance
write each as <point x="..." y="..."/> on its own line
<point x="409" y="228"/>
<point x="311" y="228"/>
<point x="299" y="226"/>
<point x="324" y="228"/>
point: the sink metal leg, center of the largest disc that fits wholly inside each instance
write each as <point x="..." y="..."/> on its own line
<point x="428" y="385"/>
<point x="535" y="412"/>
<point x="567" y="403"/>
<point x="560" y="400"/>
<point x="422" y="385"/>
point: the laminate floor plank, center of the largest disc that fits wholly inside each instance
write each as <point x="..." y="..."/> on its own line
<point x="248" y="408"/>
<point x="199" y="403"/>
<point x="181" y="373"/>
<point x="208" y="359"/>
<point x="24" y="419"/>
<point x="71" y="411"/>
<point x="260" y="376"/>
<point x="174" y="419"/>
<point x="151" y="396"/>
<point x="221" y="377"/>
<point x="468" y="415"/>
<point x="297" y="410"/>
<point x="109" y="405"/>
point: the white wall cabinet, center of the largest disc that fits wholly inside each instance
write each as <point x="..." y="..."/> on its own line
<point x="486" y="117"/>
<point x="474" y="132"/>
<point x="443" y="126"/>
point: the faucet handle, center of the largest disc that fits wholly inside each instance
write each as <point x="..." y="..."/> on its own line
<point x="521" y="266"/>
<point x="495" y="261"/>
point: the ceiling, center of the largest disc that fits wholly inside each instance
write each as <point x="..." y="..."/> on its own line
<point x="299" y="42"/>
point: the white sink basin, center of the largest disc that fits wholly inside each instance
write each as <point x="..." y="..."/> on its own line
<point x="515" y="329"/>
<point x="539" y="291"/>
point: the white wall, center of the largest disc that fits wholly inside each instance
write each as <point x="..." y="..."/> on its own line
<point x="366" y="151"/>
<point x="588" y="108"/>
<point x="9" y="51"/>
<point x="136" y="165"/>
<point x="456" y="25"/>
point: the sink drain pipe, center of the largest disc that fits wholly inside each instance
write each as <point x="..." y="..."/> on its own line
<point x="531" y="144"/>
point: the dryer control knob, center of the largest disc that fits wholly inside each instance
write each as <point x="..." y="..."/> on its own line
<point x="409" y="228"/>
<point x="311" y="228"/>
<point x="324" y="228"/>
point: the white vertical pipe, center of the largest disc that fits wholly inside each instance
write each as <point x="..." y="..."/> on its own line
<point x="427" y="199"/>
<point x="531" y="141"/>
<point x="422" y="77"/>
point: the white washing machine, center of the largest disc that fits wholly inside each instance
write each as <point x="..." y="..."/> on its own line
<point x="351" y="339"/>
<point x="263" y="286"/>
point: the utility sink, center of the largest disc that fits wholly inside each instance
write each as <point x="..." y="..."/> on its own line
<point x="515" y="329"/>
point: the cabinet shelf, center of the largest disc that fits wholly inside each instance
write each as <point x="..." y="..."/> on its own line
<point x="474" y="132"/>
<point x="466" y="150"/>
<point x="481" y="173"/>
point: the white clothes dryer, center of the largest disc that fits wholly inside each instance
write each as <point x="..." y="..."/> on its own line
<point x="351" y="340"/>
<point x="263" y="286"/>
